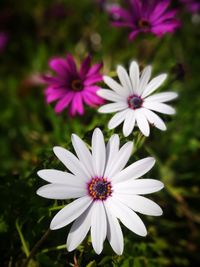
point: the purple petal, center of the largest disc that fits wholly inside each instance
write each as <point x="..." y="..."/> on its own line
<point x="77" y="105"/>
<point x="133" y="34"/>
<point x="136" y="8"/>
<point x="54" y="94"/>
<point x="93" y="79"/>
<point x="119" y="13"/>
<point x="159" y="9"/>
<point x="163" y="28"/>
<point x="122" y="24"/>
<point x="85" y="66"/>
<point x="91" y="89"/>
<point x="167" y="16"/>
<point x="94" y="69"/>
<point x="53" y="81"/>
<point x="71" y="64"/>
<point x="59" y="66"/>
<point x="92" y="100"/>
<point x="64" y="102"/>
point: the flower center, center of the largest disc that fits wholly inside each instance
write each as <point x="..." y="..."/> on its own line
<point x="144" y="24"/>
<point x="77" y="85"/>
<point x="99" y="188"/>
<point x="135" y="101"/>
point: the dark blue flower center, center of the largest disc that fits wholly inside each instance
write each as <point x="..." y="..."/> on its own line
<point x="99" y="188"/>
<point x="135" y="101"/>
<point x="77" y="85"/>
<point x="143" y="24"/>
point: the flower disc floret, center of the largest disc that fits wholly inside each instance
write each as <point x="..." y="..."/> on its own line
<point x="99" y="188"/>
<point x="135" y="101"/>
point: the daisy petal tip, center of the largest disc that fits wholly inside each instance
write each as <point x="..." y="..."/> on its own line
<point x="119" y="253"/>
<point x="38" y="192"/>
<point x="151" y="162"/>
<point x="145" y="233"/>
<point x="70" y="247"/>
<point x="97" y="131"/>
<point x="126" y="134"/>
<point x="53" y="226"/>
<point x="174" y="112"/>
<point x="101" y="110"/>
<point x="161" y="185"/>
<point x="39" y="173"/>
<point x="105" y="78"/>
<point x="160" y="212"/>
<point x="99" y="93"/>
<point x="56" y="149"/>
<point x="98" y="251"/>
<point x="74" y="137"/>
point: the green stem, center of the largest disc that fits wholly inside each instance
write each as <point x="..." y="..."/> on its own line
<point x="36" y="247"/>
<point x="23" y="241"/>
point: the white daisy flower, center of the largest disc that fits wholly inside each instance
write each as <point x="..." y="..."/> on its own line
<point x="132" y="100"/>
<point x="106" y="192"/>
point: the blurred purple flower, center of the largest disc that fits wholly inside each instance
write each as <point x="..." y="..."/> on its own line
<point x="145" y="16"/>
<point x="192" y="6"/>
<point x="3" y="41"/>
<point x="72" y="87"/>
<point x="56" y="11"/>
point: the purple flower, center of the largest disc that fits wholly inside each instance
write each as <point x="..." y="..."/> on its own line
<point x="192" y="6"/>
<point x="71" y="87"/>
<point x="3" y="41"/>
<point x="145" y="16"/>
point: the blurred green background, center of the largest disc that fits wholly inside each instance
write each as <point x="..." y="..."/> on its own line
<point x="38" y="30"/>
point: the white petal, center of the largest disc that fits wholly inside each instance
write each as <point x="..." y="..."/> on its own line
<point x="79" y="229"/>
<point x="113" y="107"/>
<point x="135" y="170"/>
<point x="162" y="97"/>
<point x="140" y="204"/>
<point x="70" y="161"/>
<point x="121" y="159"/>
<point x="159" y="107"/>
<point x="124" y="79"/>
<point x="154" y="119"/>
<point x="115" y="86"/>
<point x="98" y="153"/>
<point x="127" y="216"/>
<point x="129" y="123"/>
<point x="142" y="122"/>
<point x="98" y="226"/>
<point x="83" y="153"/>
<point x="134" y="75"/>
<point x="145" y="76"/>
<point x="109" y="95"/>
<point x="154" y="84"/>
<point x="111" y="152"/>
<point x="140" y="186"/>
<point x="70" y="212"/>
<point x="117" y="119"/>
<point x="60" y="177"/>
<point x="114" y="233"/>
<point x="60" y="191"/>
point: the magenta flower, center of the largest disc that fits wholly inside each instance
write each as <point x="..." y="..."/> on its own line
<point x="145" y="16"/>
<point x="192" y="6"/>
<point x="3" y="41"/>
<point x="71" y="87"/>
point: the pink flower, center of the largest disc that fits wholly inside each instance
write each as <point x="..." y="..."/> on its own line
<point x="71" y="87"/>
<point x="3" y="40"/>
<point x="192" y="6"/>
<point x="145" y="16"/>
